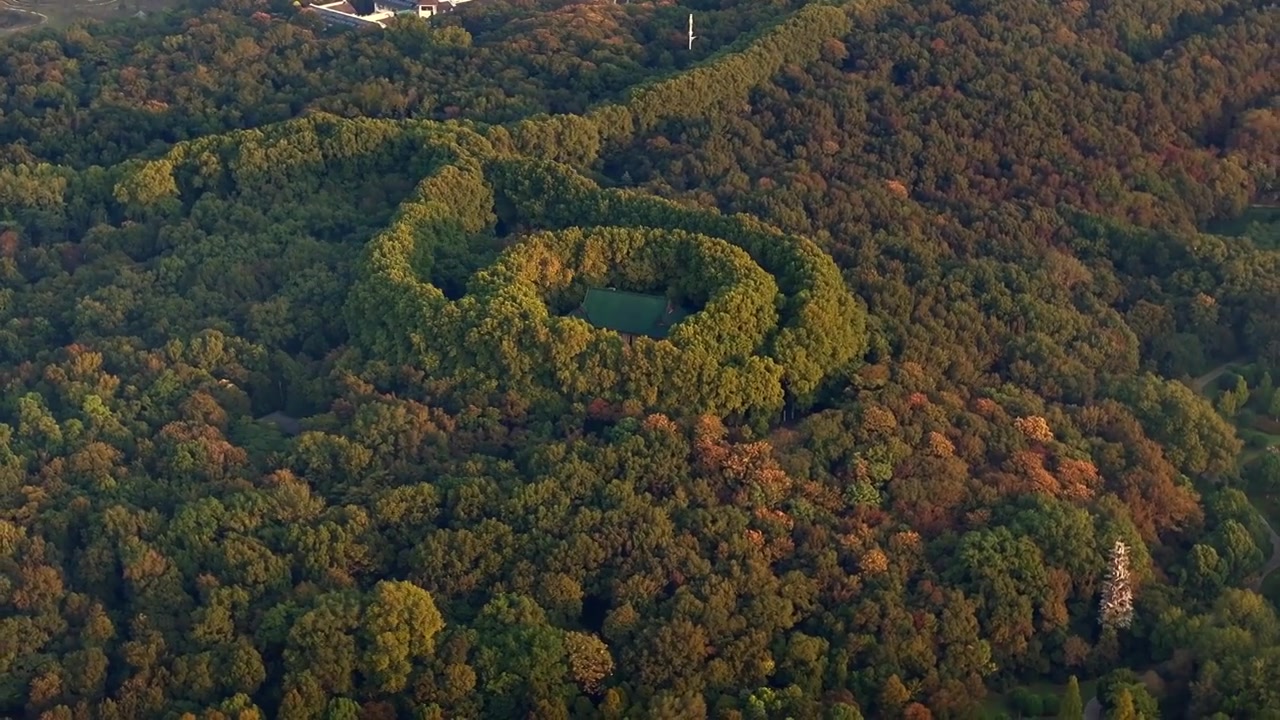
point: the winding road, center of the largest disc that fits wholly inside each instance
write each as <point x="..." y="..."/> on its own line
<point x="42" y="18"/>
<point x="1202" y="382"/>
<point x="1246" y="456"/>
<point x="26" y="8"/>
<point x="1255" y="583"/>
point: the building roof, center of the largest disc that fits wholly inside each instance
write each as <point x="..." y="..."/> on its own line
<point x="630" y="313"/>
<point x="348" y="9"/>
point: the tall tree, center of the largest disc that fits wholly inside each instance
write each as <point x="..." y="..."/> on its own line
<point x="1072" y="707"/>
<point x="1124" y="709"/>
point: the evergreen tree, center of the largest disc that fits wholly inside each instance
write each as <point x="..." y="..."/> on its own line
<point x="1072" y="707"/>
<point x="1266" y="389"/>
<point x="1124" y="707"/>
<point x="1232" y="400"/>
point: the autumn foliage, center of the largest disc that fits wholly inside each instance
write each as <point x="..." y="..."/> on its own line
<point x="295" y="425"/>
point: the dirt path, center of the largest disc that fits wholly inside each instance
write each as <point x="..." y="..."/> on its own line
<point x="41" y="19"/>
<point x="1273" y="564"/>
<point x="1246" y="456"/>
<point x="1202" y="382"/>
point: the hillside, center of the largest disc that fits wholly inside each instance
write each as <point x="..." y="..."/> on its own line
<point x="299" y="420"/>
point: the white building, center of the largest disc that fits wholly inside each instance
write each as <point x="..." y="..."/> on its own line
<point x="431" y="8"/>
<point x="343" y="12"/>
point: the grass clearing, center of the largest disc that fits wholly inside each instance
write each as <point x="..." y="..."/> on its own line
<point x="1255" y="214"/>
<point x="1257" y="439"/>
<point x="25" y="15"/>
<point x="12" y="20"/>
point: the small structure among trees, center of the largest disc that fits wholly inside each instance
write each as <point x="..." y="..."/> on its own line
<point x="630" y="314"/>
<point x="1117" y="593"/>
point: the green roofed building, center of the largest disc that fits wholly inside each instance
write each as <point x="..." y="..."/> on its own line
<point x="630" y="314"/>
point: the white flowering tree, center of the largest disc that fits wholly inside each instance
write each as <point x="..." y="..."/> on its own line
<point x="1116" y="610"/>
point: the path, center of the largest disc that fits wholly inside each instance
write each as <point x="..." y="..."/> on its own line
<point x="1246" y="456"/>
<point x="62" y="11"/>
<point x="43" y="18"/>
<point x="1255" y="584"/>
<point x="1202" y="382"/>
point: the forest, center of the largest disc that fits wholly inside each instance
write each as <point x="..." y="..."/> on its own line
<point x="976" y="415"/>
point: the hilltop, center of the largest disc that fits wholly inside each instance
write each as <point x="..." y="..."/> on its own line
<point x="303" y="418"/>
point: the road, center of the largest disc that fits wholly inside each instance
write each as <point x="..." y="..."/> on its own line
<point x="42" y="18"/>
<point x="1246" y="456"/>
<point x="1255" y="583"/>
<point x="1202" y="382"/>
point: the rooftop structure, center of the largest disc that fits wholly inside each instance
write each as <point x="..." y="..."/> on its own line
<point x="630" y="314"/>
<point x="367" y="13"/>
<point x="431" y="8"/>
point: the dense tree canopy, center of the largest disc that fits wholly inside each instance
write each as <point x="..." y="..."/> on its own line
<point x="293" y="427"/>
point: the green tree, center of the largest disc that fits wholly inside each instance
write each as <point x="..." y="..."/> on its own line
<point x="1265" y="391"/>
<point x="1238" y="551"/>
<point x="1264" y="473"/>
<point x="342" y="708"/>
<point x="1123" y="686"/>
<point x="1232" y="400"/>
<point x="1205" y="571"/>
<point x="400" y="625"/>
<point x="1072" y="707"/>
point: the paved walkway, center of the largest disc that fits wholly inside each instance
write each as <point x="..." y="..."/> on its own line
<point x="1255" y="584"/>
<point x="1202" y="382"/>
<point x="1247" y="456"/>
